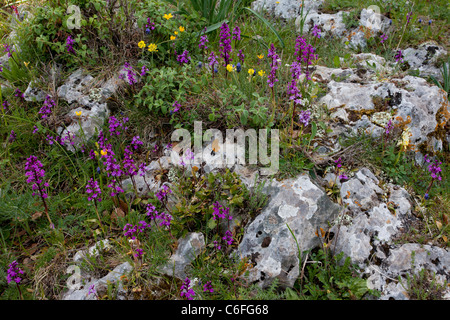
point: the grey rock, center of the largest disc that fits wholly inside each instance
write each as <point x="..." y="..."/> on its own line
<point x="390" y="278"/>
<point x="410" y="97"/>
<point x="85" y="127"/>
<point x="330" y="23"/>
<point x="373" y="223"/>
<point x="33" y="94"/>
<point x="299" y="204"/>
<point x="188" y="249"/>
<point x="93" y="251"/>
<point x="424" y="59"/>
<point x="286" y="9"/>
<point x="100" y="285"/>
<point x="373" y="20"/>
<point x="76" y="87"/>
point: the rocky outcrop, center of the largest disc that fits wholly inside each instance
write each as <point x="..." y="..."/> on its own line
<point x="411" y="100"/>
<point x="298" y="204"/>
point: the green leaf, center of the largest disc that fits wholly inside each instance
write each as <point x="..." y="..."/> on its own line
<point x="211" y="224"/>
<point x="336" y="62"/>
<point x="291" y="294"/>
<point x="268" y="24"/>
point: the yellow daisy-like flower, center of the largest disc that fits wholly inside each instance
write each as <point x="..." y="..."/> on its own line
<point x="78" y="113"/>
<point x="251" y="72"/>
<point x="167" y="16"/>
<point x="26" y="63"/>
<point x="141" y="44"/>
<point x="152" y="47"/>
<point x="230" y="68"/>
<point x="181" y="29"/>
<point x="261" y="73"/>
<point x="260" y="56"/>
<point x="176" y="32"/>
<point x="104" y="152"/>
<point x="172" y="37"/>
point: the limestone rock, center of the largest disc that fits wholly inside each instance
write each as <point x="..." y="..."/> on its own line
<point x="188" y="249"/>
<point x="424" y="59"/>
<point x="299" y="204"/>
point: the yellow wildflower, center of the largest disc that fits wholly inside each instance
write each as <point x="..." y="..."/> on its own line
<point x="251" y="72"/>
<point x="141" y="44"/>
<point x="261" y="73"/>
<point x="104" y="152"/>
<point x="167" y="16"/>
<point x="230" y="68"/>
<point x="260" y="56"/>
<point x="78" y="113"/>
<point x="152" y="47"/>
<point x="181" y="29"/>
<point x="172" y="37"/>
<point x="176" y="32"/>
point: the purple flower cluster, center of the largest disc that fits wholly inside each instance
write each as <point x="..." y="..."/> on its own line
<point x="208" y="287"/>
<point x="221" y="212"/>
<point x="116" y="189"/>
<point x="13" y="273"/>
<point x="338" y="163"/>
<point x="236" y="33"/>
<point x="293" y="91"/>
<point x="434" y="168"/>
<point x="94" y="191"/>
<point x="241" y="56"/>
<point x="316" y="31"/>
<point x="225" y="44"/>
<point x="153" y="214"/>
<point x="5" y="104"/>
<point x="46" y="109"/>
<point x="69" y="44"/>
<point x="228" y="237"/>
<point x="217" y="246"/>
<point x="305" y="53"/>
<point x="132" y="231"/>
<point x="35" y="174"/>
<point x="389" y="127"/>
<point x="163" y="192"/>
<point x="399" y="56"/>
<point x="212" y="60"/>
<point x="19" y="94"/>
<point x="176" y="107"/>
<point x="8" y="49"/>
<point x="136" y="142"/>
<point x="131" y="76"/>
<point x="383" y="38"/>
<point x="186" y="290"/>
<point x="150" y="26"/>
<point x="144" y="70"/>
<point x="304" y="117"/>
<point x="184" y="57"/>
<point x="203" y="41"/>
<point x="274" y="64"/>
<point x="129" y="167"/>
<point x="408" y="17"/>
<point x="12" y="136"/>
<point x="114" y="124"/>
